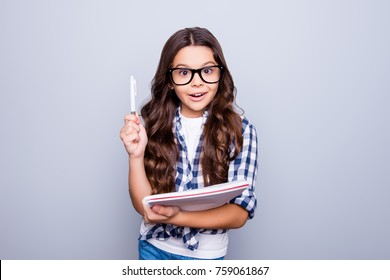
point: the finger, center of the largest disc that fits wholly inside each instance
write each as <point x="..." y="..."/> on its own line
<point x="132" y="118"/>
<point x="132" y="127"/>
<point x="152" y="216"/>
<point x="130" y="140"/>
<point x="128" y="133"/>
<point x="167" y="211"/>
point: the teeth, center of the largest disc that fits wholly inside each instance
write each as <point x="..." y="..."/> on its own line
<point x="197" y="94"/>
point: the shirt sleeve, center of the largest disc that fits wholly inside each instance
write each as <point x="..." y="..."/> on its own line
<point x="244" y="167"/>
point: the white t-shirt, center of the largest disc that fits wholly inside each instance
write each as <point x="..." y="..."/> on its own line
<point x="192" y="131"/>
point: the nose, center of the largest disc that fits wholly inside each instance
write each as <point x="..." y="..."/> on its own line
<point x="196" y="80"/>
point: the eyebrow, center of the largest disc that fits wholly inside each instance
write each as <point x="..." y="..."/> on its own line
<point x="203" y="65"/>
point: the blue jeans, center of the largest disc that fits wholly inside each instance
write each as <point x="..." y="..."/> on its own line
<point x="147" y="251"/>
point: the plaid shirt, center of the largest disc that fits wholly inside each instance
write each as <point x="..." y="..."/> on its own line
<point x="189" y="176"/>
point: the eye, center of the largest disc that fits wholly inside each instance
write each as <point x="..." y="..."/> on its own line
<point x="184" y="72"/>
<point x="207" y="70"/>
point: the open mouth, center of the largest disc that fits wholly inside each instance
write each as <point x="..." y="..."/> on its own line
<point x="197" y="95"/>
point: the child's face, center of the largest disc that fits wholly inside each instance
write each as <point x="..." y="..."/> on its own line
<point x="196" y="95"/>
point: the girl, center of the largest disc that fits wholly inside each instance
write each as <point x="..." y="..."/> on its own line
<point x="191" y="138"/>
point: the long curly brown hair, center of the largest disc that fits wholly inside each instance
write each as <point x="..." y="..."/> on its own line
<point x="222" y="128"/>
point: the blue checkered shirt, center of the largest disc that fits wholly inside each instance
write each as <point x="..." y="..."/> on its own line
<point x="189" y="176"/>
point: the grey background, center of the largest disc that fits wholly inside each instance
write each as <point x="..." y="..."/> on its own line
<point x="313" y="76"/>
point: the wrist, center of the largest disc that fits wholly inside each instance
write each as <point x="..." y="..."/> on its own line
<point x="179" y="219"/>
<point x="136" y="158"/>
<point x="136" y="161"/>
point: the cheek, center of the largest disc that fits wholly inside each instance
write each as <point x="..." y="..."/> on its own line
<point x="179" y="93"/>
<point x="214" y="90"/>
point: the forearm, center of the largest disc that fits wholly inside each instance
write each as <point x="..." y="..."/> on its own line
<point x="228" y="216"/>
<point x="139" y="185"/>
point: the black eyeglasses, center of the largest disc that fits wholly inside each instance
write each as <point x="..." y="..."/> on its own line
<point x="208" y="74"/>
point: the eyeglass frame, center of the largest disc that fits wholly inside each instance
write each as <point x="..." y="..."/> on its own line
<point x="193" y="71"/>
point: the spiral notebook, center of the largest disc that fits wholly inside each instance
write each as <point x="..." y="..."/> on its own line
<point x="199" y="199"/>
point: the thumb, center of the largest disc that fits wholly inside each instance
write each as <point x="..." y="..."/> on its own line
<point x="139" y="120"/>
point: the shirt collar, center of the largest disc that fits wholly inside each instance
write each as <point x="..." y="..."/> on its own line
<point x="178" y="115"/>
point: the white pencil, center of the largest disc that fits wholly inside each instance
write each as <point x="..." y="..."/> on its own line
<point x="133" y="93"/>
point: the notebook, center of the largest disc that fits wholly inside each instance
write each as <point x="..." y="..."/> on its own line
<point x="199" y="199"/>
